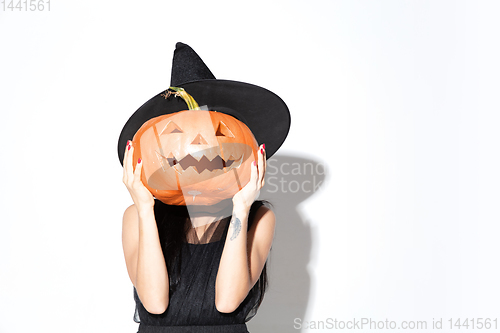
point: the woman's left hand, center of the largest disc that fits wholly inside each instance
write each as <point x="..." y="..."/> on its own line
<point x="248" y="194"/>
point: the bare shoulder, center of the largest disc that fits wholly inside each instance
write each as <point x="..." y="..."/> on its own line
<point x="263" y="225"/>
<point x="130" y="239"/>
<point x="130" y="222"/>
<point x="260" y="239"/>
<point x="264" y="215"/>
<point x="130" y="213"/>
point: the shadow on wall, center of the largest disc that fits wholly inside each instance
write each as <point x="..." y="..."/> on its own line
<point x="289" y="181"/>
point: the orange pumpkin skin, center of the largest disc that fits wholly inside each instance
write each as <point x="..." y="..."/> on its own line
<point x="195" y="157"/>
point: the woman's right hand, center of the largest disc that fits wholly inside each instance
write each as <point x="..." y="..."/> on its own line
<point x="143" y="199"/>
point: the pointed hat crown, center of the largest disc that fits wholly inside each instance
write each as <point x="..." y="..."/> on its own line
<point x="187" y="66"/>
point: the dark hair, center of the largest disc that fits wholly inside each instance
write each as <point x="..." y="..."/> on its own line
<point x="173" y="235"/>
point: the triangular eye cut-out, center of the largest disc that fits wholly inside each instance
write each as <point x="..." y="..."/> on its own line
<point x="223" y="130"/>
<point x="170" y="128"/>
<point x="199" y="140"/>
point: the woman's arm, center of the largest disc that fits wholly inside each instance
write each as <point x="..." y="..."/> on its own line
<point x="243" y="258"/>
<point x="141" y="245"/>
<point x="144" y="259"/>
<point x="245" y="253"/>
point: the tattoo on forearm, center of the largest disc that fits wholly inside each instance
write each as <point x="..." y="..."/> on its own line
<point x="236" y="223"/>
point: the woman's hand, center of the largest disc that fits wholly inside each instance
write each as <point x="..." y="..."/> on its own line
<point x="143" y="199"/>
<point x="248" y="194"/>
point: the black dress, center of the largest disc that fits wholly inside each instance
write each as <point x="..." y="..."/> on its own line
<point x="191" y="305"/>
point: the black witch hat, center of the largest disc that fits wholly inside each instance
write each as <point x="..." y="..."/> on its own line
<point x="261" y="110"/>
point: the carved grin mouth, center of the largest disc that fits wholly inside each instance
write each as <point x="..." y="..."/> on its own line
<point x="203" y="163"/>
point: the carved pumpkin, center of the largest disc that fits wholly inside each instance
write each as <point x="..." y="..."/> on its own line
<point x="195" y="157"/>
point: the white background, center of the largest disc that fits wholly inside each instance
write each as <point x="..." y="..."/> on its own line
<point x="396" y="100"/>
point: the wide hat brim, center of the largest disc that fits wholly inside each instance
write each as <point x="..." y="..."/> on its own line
<point x="261" y="110"/>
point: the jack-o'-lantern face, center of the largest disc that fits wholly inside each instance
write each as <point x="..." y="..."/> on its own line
<point x="195" y="157"/>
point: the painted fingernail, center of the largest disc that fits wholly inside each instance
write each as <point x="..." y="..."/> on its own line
<point x="129" y="147"/>
<point x="254" y="163"/>
<point x="262" y="151"/>
<point x="139" y="161"/>
<point x="264" y="145"/>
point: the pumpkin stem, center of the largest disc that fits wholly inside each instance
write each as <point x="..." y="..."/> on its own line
<point x="191" y="103"/>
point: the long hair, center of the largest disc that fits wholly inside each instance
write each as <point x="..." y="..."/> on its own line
<point x="173" y="235"/>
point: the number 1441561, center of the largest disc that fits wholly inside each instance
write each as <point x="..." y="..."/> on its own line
<point x="26" y="5"/>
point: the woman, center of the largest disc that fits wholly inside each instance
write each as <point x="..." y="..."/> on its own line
<point x="243" y="257"/>
<point x="201" y="268"/>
